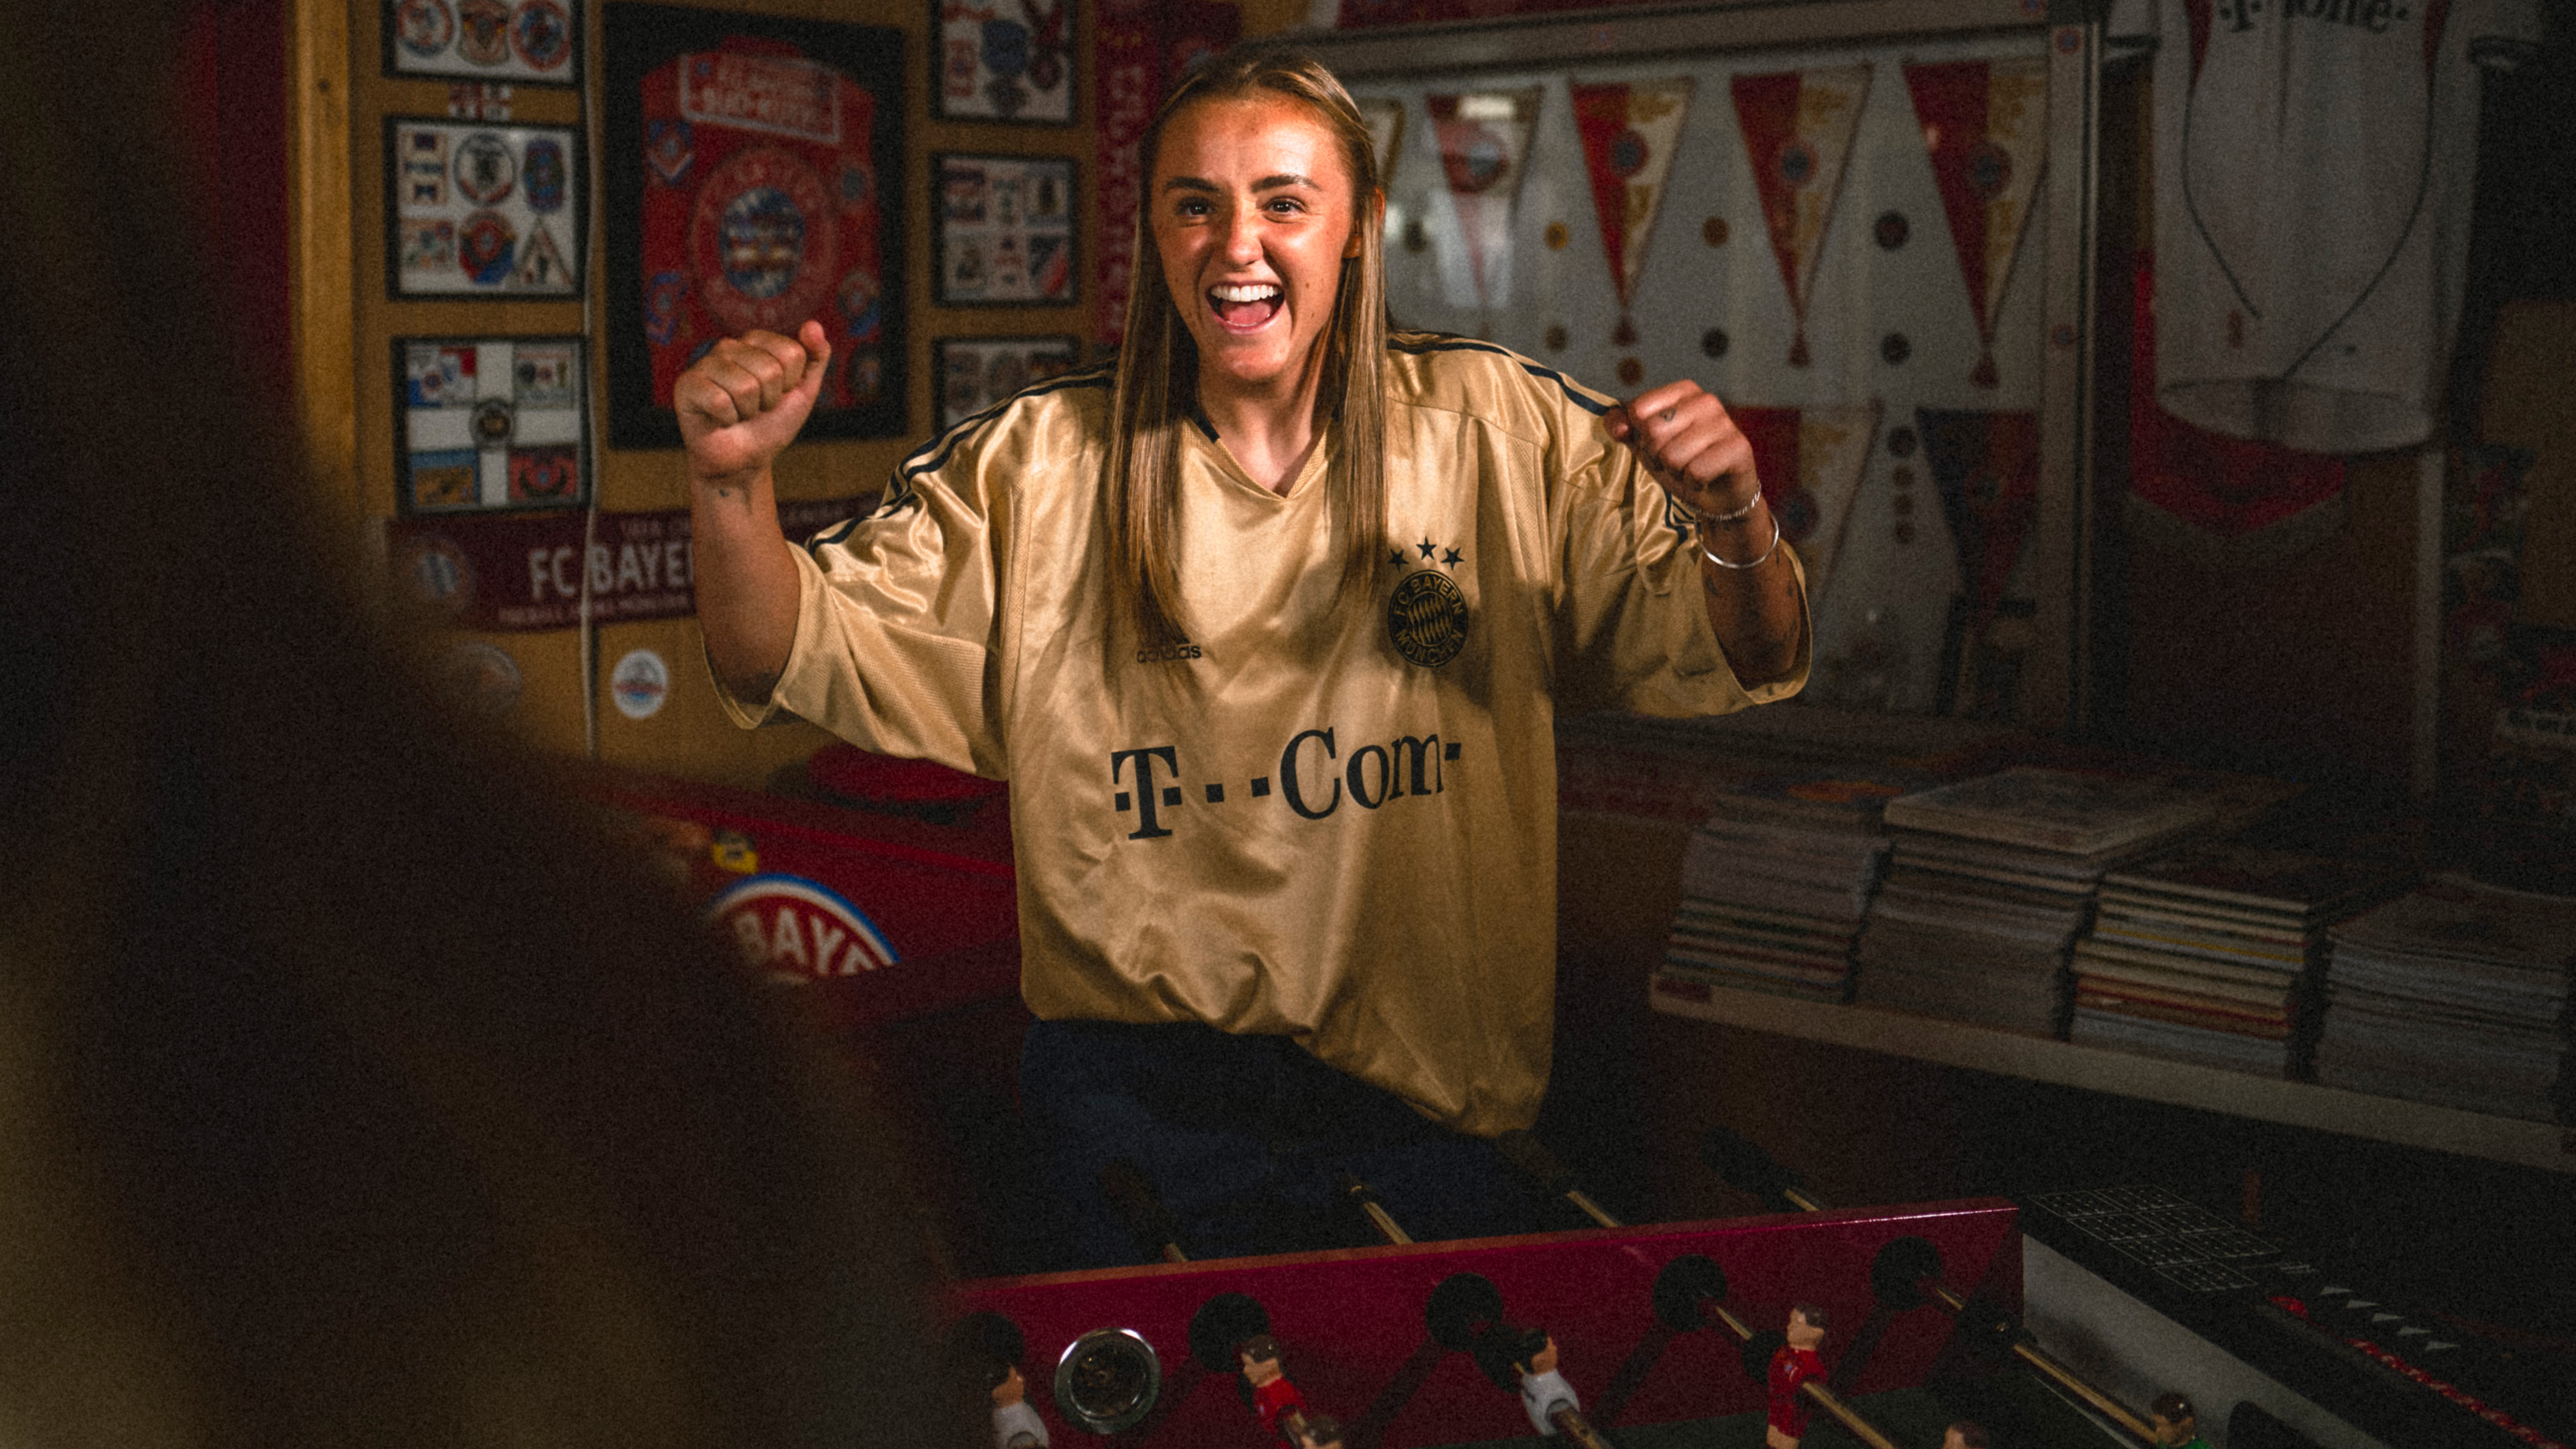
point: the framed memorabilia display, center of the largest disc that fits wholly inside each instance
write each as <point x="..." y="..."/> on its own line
<point x="507" y="42"/>
<point x="1003" y="230"/>
<point x="477" y="210"/>
<point x="1864" y="227"/>
<point x="974" y="373"/>
<point x="489" y="424"/>
<point x="1002" y="60"/>
<point x="749" y="164"/>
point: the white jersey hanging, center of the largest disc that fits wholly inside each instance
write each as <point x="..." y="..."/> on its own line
<point x="2314" y="167"/>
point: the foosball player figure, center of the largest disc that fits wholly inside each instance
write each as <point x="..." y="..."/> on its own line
<point x="2177" y="1424"/>
<point x="1282" y="1408"/>
<point x="1543" y="1389"/>
<point x="1965" y="1434"/>
<point x="1015" y="1424"/>
<point x="1791" y="1367"/>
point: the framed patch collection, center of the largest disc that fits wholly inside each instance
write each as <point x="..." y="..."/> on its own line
<point x="508" y="42"/>
<point x="975" y="373"/>
<point x="1003" y="60"/>
<point x="489" y="424"/>
<point x="479" y="210"/>
<point x="1003" y="230"/>
<point x="749" y="164"/>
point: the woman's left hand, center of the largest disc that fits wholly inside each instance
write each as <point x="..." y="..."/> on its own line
<point x="1685" y="438"/>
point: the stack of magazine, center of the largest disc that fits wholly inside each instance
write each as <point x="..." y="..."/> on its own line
<point x="1774" y="885"/>
<point x="2455" y="994"/>
<point x="2212" y="953"/>
<point x="1992" y="880"/>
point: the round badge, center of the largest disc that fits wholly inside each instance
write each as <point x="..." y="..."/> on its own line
<point x="485" y="245"/>
<point x="485" y="170"/>
<point x="546" y="175"/>
<point x="1904" y="531"/>
<point x="1798" y="512"/>
<point x="1557" y="236"/>
<point x="541" y="34"/>
<point x="481" y="677"/>
<point x="1893" y="349"/>
<point x="1796" y="162"/>
<point x="640" y="684"/>
<point x="1631" y="372"/>
<point x="436" y="574"/>
<point x="1900" y="442"/>
<point x="1628" y="152"/>
<point x="485" y="31"/>
<point x="1427" y="618"/>
<point x="1892" y="230"/>
<point x="1556" y="338"/>
<point x="1415" y="238"/>
<point x="1714" y="231"/>
<point x="1902" y="505"/>
<point x="1713" y="342"/>
<point x="764" y="241"/>
<point x="492" y="422"/>
<point x="1475" y="161"/>
<point x="424" y="26"/>
<point x="1989" y="170"/>
<point x="1625" y="334"/>
<point x="1901" y="477"/>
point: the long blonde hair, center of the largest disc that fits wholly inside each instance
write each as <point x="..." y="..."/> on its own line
<point x="1158" y="364"/>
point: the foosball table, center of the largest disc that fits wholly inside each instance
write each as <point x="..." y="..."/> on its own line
<point x="1642" y="1336"/>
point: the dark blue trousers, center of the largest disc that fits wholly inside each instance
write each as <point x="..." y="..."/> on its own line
<point x="1244" y="1137"/>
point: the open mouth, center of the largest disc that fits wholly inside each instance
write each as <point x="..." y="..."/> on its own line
<point x="1246" y="307"/>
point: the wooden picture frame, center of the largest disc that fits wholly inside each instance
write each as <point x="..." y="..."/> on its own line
<point x="1013" y="62"/>
<point x="1004" y="230"/>
<point x="477" y="209"/>
<point x="970" y="374"/>
<point x="754" y="176"/>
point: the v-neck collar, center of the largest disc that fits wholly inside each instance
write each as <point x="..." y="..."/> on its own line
<point x="1232" y="467"/>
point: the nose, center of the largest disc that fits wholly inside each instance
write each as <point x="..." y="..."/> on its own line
<point x="1243" y="236"/>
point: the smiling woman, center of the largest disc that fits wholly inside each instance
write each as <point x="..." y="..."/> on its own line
<point x="1268" y="629"/>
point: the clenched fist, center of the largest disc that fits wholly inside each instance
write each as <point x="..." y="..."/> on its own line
<point x="1691" y="446"/>
<point x="742" y="403"/>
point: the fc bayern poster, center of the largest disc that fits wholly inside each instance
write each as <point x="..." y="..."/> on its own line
<point x="754" y="174"/>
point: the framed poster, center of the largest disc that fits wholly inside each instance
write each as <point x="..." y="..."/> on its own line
<point x="1002" y="230"/>
<point x="489" y="424"/>
<point x="509" y="42"/>
<point x="748" y="165"/>
<point x="974" y="373"/>
<point x="477" y="210"/>
<point x="1002" y="60"/>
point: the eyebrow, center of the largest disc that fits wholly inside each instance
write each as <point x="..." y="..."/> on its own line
<point x="1266" y="183"/>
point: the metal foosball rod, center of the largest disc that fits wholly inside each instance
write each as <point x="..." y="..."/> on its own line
<point x="1132" y="1196"/>
<point x="1531" y="1159"/>
<point x="1352" y="1188"/>
<point x="1907" y="1275"/>
<point x="1465" y="1315"/>
<point x="1230" y="1334"/>
<point x="1692" y="1289"/>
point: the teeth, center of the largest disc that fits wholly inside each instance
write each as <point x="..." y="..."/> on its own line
<point x="1243" y="293"/>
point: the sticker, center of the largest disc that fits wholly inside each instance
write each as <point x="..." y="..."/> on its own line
<point x="428" y="246"/>
<point x="486" y="26"/>
<point x="1426" y="619"/>
<point x="1556" y="338"/>
<point x="447" y="478"/>
<point x="541" y="265"/>
<point x="436" y="574"/>
<point x="541" y="377"/>
<point x="1894" y="348"/>
<point x="1557" y="237"/>
<point x="1713" y="342"/>
<point x="424" y="27"/>
<point x="1631" y="372"/>
<point x="485" y="247"/>
<point x="544" y="475"/>
<point x="485" y="170"/>
<point x="541" y="34"/>
<point x="439" y="377"/>
<point x="639" y="684"/>
<point x="1892" y="230"/>
<point x="544" y="174"/>
<point x="481" y="677"/>
<point x="796" y="930"/>
<point x="1714" y="231"/>
<point x="424" y="168"/>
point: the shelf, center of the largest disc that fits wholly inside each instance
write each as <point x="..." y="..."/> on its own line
<point x="2180" y="1084"/>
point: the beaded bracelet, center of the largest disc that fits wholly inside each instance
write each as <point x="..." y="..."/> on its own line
<point x="1737" y="515"/>
<point x="1757" y="563"/>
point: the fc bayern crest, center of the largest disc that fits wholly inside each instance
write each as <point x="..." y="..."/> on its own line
<point x="798" y="930"/>
<point x="1426" y="620"/>
<point x="763" y="242"/>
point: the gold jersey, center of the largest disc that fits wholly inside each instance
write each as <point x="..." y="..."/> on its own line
<point x="1332" y="821"/>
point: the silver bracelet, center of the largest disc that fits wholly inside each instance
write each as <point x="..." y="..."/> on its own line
<point x="1740" y="514"/>
<point x="1757" y="563"/>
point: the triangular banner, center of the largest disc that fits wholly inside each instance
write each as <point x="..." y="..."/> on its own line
<point x="1385" y="120"/>
<point x="1484" y="138"/>
<point x="543" y="263"/>
<point x="1985" y="127"/>
<point x="1810" y="461"/>
<point x="1797" y="128"/>
<point x="1629" y="134"/>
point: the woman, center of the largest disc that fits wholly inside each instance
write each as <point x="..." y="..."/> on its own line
<point x="1268" y="630"/>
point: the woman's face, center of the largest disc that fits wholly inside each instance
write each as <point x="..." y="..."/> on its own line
<point x="1252" y="216"/>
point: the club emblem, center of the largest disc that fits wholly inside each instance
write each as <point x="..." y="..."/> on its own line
<point x="1426" y="619"/>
